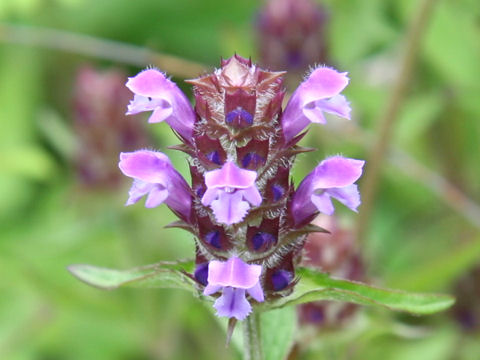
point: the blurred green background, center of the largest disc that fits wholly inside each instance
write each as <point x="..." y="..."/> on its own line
<point x="423" y="235"/>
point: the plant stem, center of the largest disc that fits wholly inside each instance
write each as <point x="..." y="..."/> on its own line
<point x="252" y="340"/>
<point x="390" y="115"/>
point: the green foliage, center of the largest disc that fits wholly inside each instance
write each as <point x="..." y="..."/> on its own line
<point x="278" y="332"/>
<point x="315" y="286"/>
<point x="161" y="275"/>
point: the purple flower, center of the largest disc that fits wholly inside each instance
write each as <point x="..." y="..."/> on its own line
<point x="318" y="94"/>
<point x="227" y="190"/>
<point x="153" y="91"/>
<point x="153" y="174"/>
<point x="235" y="278"/>
<point x="333" y="177"/>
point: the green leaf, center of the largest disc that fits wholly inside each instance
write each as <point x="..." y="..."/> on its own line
<point x="160" y="275"/>
<point x="315" y="286"/>
<point x="442" y="270"/>
<point x="278" y="330"/>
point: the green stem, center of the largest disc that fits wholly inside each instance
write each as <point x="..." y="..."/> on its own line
<point x="252" y="340"/>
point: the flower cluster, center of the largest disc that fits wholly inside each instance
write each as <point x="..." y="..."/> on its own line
<point x="249" y="221"/>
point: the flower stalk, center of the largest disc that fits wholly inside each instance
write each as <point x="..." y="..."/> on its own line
<point x="252" y="339"/>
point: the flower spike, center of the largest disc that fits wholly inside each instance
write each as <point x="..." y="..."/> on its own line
<point x="241" y="148"/>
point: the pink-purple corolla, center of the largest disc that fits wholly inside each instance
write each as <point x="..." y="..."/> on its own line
<point x="332" y="178"/>
<point x="153" y="91"/>
<point x="318" y="94"/>
<point x="153" y="174"/>
<point x="235" y="279"/>
<point x="227" y="190"/>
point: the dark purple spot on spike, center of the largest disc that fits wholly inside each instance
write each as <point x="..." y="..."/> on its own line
<point x="201" y="273"/>
<point x="281" y="279"/>
<point x="262" y="239"/>
<point x="214" y="157"/>
<point x="278" y="192"/>
<point x="253" y="160"/>
<point x="239" y="118"/>
<point x="199" y="191"/>
<point x="213" y="238"/>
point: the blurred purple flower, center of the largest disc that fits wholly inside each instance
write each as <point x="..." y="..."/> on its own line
<point x="333" y="177"/>
<point x="319" y="93"/>
<point x="291" y="34"/>
<point x="154" y="175"/>
<point x="153" y="91"/>
<point x="101" y="128"/>
<point x="235" y="278"/>
<point x="227" y="190"/>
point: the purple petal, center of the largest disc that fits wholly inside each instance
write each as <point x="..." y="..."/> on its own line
<point x="137" y="191"/>
<point x="256" y="292"/>
<point x="211" y="289"/>
<point x="336" y="171"/>
<point x="229" y="208"/>
<point x="233" y="303"/>
<point x="322" y="83"/>
<point x="323" y="203"/>
<point x="230" y="176"/>
<point x="153" y="173"/>
<point x="210" y="195"/>
<point x="293" y="118"/>
<point x="337" y="105"/>
<point x="162" y="112"/>
<point x="149" y="83"/>
<point x="252" y="195"/>
<point x="314" y="112"/>
<point x="233" y="272"/>
<point x="348" y="196"/>
<point x="153" y="91"/>
<point x="148" y="166"/>
<point x="180" y="196"/>
<point x="140" y="104"/>
<point x="303" y="192"/>
<point x="319" y="93"/>
<point x="156" y="196"/>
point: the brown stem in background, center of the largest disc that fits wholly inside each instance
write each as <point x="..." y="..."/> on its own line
<point x="99" y="48"/>
<point x="390" y="115"/>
